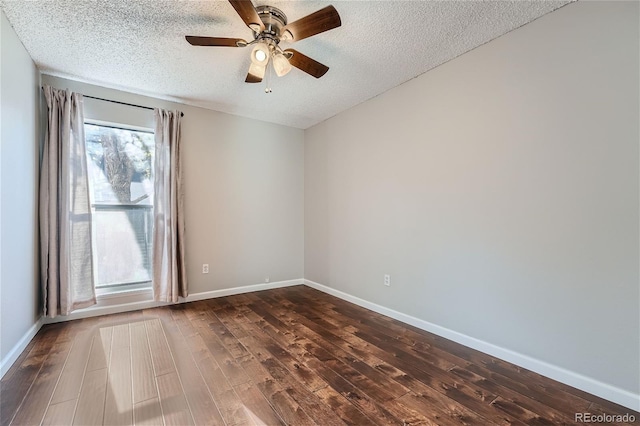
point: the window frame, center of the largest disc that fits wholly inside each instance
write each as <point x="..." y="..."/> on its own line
<point x="133" y="287"/>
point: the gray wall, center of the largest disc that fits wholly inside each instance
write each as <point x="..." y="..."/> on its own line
<point x="500" y="192"/>
<point x="19" y="135"/>
<point x="243" y="182"/>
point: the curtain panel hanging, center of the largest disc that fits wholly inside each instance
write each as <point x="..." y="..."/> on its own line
<point x="65" y="209"/>
<point x="169" y="273"/>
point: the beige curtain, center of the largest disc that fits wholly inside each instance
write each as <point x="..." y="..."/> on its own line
<point x="65" y="211"/>
<point x="169" y="274"/>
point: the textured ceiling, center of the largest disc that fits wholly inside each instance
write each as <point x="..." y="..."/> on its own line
<point x="139" y="46"/>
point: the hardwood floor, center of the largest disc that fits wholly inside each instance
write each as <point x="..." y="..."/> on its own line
<point x="291" y="356"/>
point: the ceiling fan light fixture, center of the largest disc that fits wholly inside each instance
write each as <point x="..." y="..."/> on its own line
<point x="260" y="54"/>
<point x="281" y="64"/>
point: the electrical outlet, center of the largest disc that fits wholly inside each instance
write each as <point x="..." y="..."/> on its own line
<point x="387" y="280"/>
<point x="267" y="279"/>
<point x="205" y="268"/>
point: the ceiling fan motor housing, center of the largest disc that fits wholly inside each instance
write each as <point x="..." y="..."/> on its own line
<point x="274" y="20"/>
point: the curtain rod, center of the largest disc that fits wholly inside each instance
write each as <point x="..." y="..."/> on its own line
<point x="121" y="103"/>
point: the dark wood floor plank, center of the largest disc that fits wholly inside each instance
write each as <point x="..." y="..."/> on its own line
<point x="350" y="413"/>
<point x="68" y="386"/>
<point x="202" y="405"/>
<point x="432" y="355"/>
<point x="438" y="379"/>
<point x="90" y="408"/>
<point x="159" y="349"/>
<point x="286" y="407"/>
<point x="291" y="397"/>
<point x="447" y="406"/>
<point x="148" y="413"/>
<point x="485" y="392"/>
<point x="118" y="406"/>
<point x="121" y="336"/>
<point x="144" y="382"/>
<point x="516" y="411"/>
<point x="347" y="412"/>
<point x="328" y="343"/>
<point x="356" y="396"/>
<point x="545" y="412"/>
<point x="60" y="414"/>
<point x="257" y="344"/>
<point x="227" y="402"/>
<point x="381" y="338"/>
<point x="468" y="395"/>
<point x="296" y="345"/>
<point x="21" y="358"/>
<point x="100" y="349"/>
<point x="35" y="404"/>
<point x="558" y="397"/>
<point x="247" y="329"/>
<point x="487" y="411"/>
<point x="14" y="388"/>
<point x="229" y="365"/>
<point x="423" y="341"/>
<point x="285" y="356"/>
<point x="228" y="339"/>
<point x="174" y="405"/>
<point x="257" y="407"/>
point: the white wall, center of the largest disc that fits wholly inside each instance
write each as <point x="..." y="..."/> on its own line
<point x="243" y="182"/>
<point x="500" y="192"/>
<point x="19" y="135"/>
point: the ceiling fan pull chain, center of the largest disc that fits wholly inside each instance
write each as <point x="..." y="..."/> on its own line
<point x="267" y="88"/>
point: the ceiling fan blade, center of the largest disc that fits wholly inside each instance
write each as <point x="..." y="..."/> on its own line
<point x="255" y="74"/>
<point x="248" y="13"/>
<point x="306" y="64"/>
<point x="216" y="41"/>
<point x="318" y="22"/>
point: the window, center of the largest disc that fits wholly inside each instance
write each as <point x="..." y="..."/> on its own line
<point x="120" y="168"/>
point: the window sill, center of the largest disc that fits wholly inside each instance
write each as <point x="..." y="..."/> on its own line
<point x="112" y="303"/>
<point x="117" y="296"/>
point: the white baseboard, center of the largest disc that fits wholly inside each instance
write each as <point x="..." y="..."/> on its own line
<point x="131" y="301"/>
<point x="15" y="352"/>
<point x="240" y="290"/>
<point x="576" y="380"/>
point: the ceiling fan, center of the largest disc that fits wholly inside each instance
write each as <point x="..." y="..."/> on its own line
<point x="270" y="27"/>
